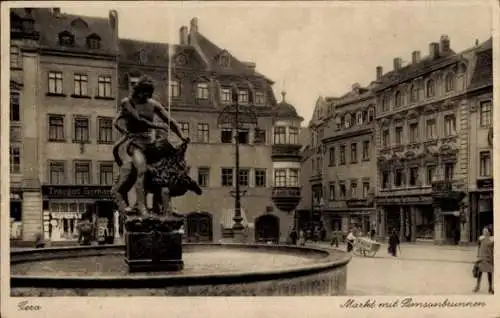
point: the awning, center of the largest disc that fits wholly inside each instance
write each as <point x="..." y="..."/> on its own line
<point x="227" y="221"/>
<point x="66" y="215"/>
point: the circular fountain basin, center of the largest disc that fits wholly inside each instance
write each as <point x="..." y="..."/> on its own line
<point x="209" y="270"/>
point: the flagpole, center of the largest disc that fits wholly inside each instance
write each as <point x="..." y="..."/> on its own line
<point x="169" y="83"/>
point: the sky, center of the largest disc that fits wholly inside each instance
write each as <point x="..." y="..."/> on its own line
<point x="308" y="49"/>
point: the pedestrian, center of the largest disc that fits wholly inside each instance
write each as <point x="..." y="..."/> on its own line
<point x="485" y="259"/>
<point x="372" y="234"/>
<point x="293" y="236"/>
<point x="350" y="240"/>
<point x="302" y="238"/>
<point x="322" y="233"/>
<point x="335" y="238"/>
<point x="393" y="243"/>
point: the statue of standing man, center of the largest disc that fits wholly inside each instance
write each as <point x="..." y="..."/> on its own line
<point x="136" y="122"/>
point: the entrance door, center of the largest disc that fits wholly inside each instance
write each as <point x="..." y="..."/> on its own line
<point x="452" y="229"/>
<point x="199" y="227"/>
<point x="267" y="228"/>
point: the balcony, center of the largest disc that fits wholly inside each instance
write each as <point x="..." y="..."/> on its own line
<point x="286" y="151"/>
<point x="359" y="203"/>
<point x="444" y="190"/>
<point x="286" y="198"/>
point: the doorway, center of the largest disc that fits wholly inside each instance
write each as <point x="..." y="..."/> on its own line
<point x="267" y="228"/>
<point x="199" y="227"/>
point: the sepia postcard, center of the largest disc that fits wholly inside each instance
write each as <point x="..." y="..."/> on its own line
<point x="253" y="158"/>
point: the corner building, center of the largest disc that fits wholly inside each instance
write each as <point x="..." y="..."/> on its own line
<point x="423" y="145"/>
<point x="194" y="82"/>
<point x="67" y="101"/>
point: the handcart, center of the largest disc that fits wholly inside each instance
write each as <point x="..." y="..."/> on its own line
<point x="365" y="247"/>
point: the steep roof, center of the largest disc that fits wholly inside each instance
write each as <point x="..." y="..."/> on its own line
<point x="154" y="53"/>
<point x="50" y="24"/>
<point x="483" y="72"/>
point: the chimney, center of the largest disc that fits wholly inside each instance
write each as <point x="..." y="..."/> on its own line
<point x="193" y="31"/>
<point x="183" y="35"/>
<point x="434" y="50"/>
<point x="444" y="43"/>
<point x="415" y="57"/>
<point x="380" y="72"/>
<point x="397" y="63"/>
<point x="113" y="19"/>
<point x="356" y="87"/>
<point x="250" y="65"/>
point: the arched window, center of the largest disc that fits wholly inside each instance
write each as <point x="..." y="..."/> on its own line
<point x="359" y="118"/>
<point x="385" y="103"/>
<point x="66" y="38"/>
<point x="430" y="88"/>
<point x="348" y="120"/>
<point x="398" y="99"/>
<point x="338" y="122"/>
<point x="450" y="82"/>
<point x="413" y="93"/>
<point x="371" y="114"/>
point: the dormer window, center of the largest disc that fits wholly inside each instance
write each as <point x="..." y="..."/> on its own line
<point x="202" y="91"/>
<point x="66" y="39"/>
<point x="93" y="42"/>
<point x="243" y="96"/>
<point x="260" y="98"/>
<point x="449" y="82"/>
<point x="359" y="118"/>
<point x="225" y="95"/>
<point x="224" y="60"/>
<point x="175" y="88"/>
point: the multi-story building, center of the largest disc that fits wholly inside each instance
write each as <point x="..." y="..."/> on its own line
<point x="194" y="80"/>
<point x="480" y="121"/>
<point x="63" y="164"/>
<point x="349" y="168"/>
<point x="423" y="145"/>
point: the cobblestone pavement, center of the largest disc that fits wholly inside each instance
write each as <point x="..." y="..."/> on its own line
<point x="418" y="270"/>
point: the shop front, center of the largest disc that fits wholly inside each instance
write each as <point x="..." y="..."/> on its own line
<point x="16" y="214"/>
<point x="64" y="206"/>
<point x="481" y="208"/>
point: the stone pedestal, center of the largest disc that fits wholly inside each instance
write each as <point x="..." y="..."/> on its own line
<point x="153" y="245"/>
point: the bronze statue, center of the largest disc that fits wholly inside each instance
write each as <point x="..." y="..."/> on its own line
<point x="151" y="166"/>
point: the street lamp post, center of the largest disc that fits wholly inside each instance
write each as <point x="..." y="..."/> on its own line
<point x="232" y="115"/>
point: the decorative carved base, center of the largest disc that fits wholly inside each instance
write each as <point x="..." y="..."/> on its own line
<point x="153" y="244"/>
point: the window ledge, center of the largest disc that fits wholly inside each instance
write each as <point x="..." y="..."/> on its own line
<point x="57" y="140"/>
<point x="102" y="142"/>
<point x="16" y="68"/>
<point x="104" y="97"/>
<point x="81" y="96"/>
<point x="56" y="94"/>
<point x="81" y="141"/>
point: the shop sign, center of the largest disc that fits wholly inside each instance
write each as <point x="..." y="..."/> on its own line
<point x="485" y="183"/>
<point x="78" y="192"/>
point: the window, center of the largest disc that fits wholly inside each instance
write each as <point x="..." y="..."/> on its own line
<point x="430" y="128"/>
<point x="449" y="169"/>
<point x="354" y="189"/>
<point x="449" y="82"/>
<point x="385" y="103"/>
<point x="399" y="135"/>
<point x="224" y="60"/>
<point x="15" y="57"/>
<point x="226" y="135"/>
<point x="279" y="135"/>
<point x="175" y="88"/>
<point x="106" y="173"/>
<point x="293" y="135"/>
<point x="359" y="118"/>
<point x="385" y="179"/>
<point x="259" y="136"/>
<point x="413" y="176"/>
<point x="81" y="133"/>
<point x="227" y="177"/>
<point x="348" y="121"/>
<point x="55" y="83"/>
<point x="342" y="155"/>
<point x="414" y="94"/>
<point x="280" y="178"/>
<point x="81" y="84"/>
<point x="15" y="109"/>
<point x="203" y="133"/>
<point x="293" y="180"/>
<point x="105" y="130"/>
<point x="82" y="173"/>
<point x="260" y="98"/>
<point x="354" y="152"/>
<point x="430" y="88"/>
<point x="243" y="136"/>
<point x="399" y="177"/>
<point x="66" y="38"/>
<point x="15" y="159"/>
<point x="94" y="42"/>
<point x="243" y="96"/>
<point x="413" y="132"/>
<point x="486" y="115"/>
<point x="430" y="170"/>
<point x="366" y="150"/>
<point x="342" y="190"/>
<point x="56" y="173"/>
<point x="449" y="125"/>
<point x="260" y="178"/>
<point x="202" y="91"/>
<point x="485" y="164"/>
<point x="203" y="176"/>
<point x="385" y="138"/>
<point x="398" y="99"/>
<point x="371" y="114"/>
<point x="225" y="95"/>
<point x="56" y="128"/>
<point x="331" y="192"/>
<point x="184" y="128"/>
<point x="104" y="86"/>
<point x="331" y="152"/>
<point x="366" y="189"/>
